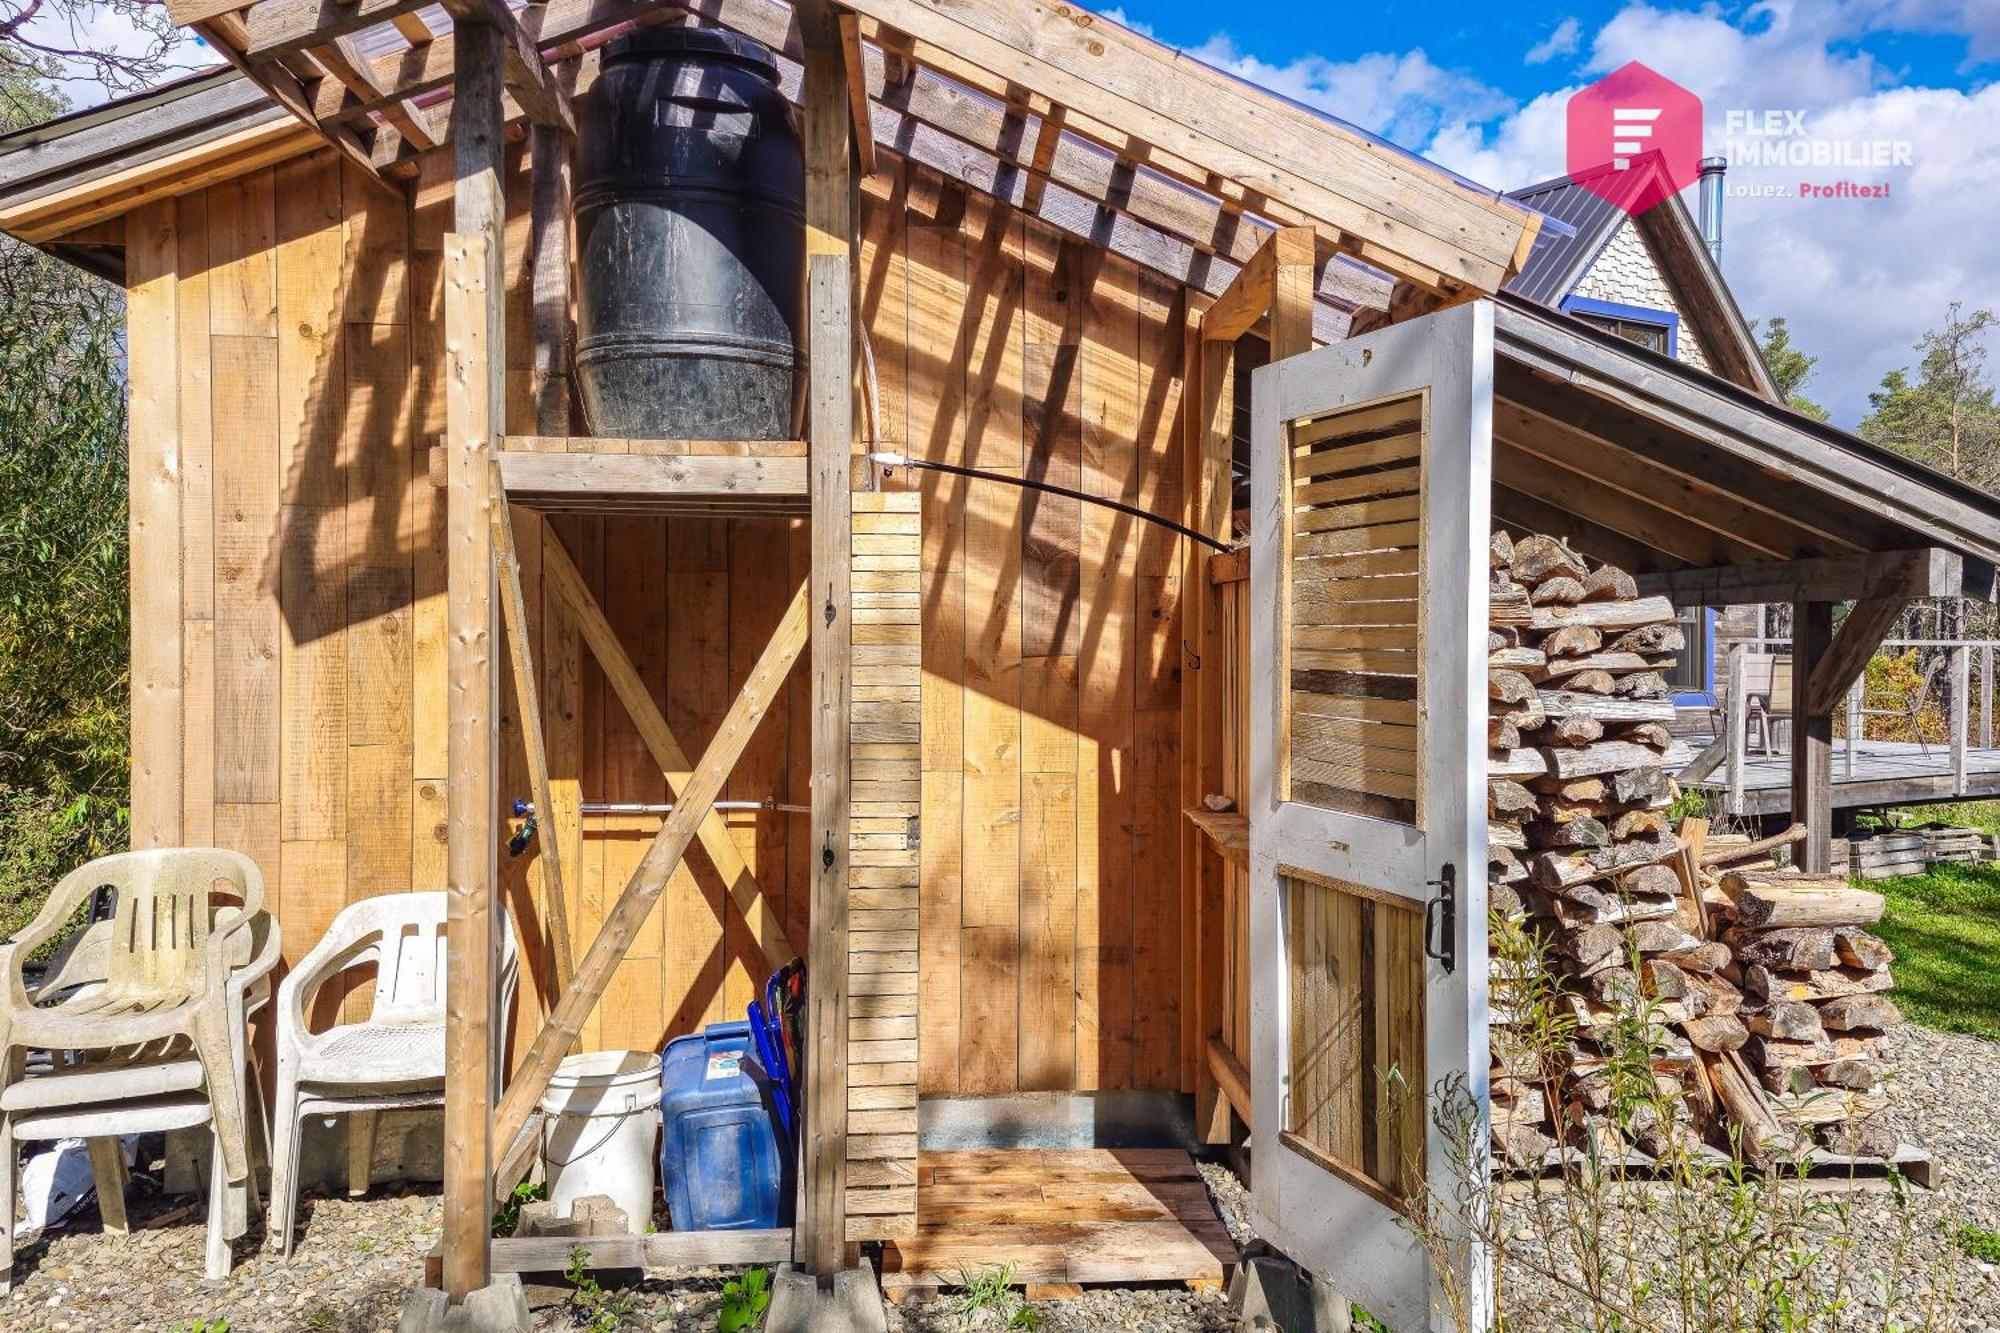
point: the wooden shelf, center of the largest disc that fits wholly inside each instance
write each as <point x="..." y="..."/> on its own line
<point x="655" y="483"/>
<point x="1230" y="833"/>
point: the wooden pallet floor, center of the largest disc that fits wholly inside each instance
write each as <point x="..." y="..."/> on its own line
<point x="1061" y="1218"/>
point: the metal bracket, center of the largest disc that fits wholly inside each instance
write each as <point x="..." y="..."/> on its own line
<point x="1441" y="918"/>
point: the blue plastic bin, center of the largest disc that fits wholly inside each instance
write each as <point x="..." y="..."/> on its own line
<point x="721" y="1160"/>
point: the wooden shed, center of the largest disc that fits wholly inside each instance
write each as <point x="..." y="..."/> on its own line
<point x="385" y="585"/>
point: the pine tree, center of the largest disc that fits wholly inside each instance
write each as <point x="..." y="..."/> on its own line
<point x="1789" y="367"/>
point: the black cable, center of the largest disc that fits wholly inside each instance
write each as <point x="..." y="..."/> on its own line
<point x="901" y="460"/>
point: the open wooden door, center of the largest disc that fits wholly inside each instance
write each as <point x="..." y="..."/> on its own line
<point x="1370" y="488"/>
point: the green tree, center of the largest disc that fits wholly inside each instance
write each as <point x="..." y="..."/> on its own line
<point x="64" y="622"/>
<point x="1945" y="416"/>
<point x="1789" y="366"/>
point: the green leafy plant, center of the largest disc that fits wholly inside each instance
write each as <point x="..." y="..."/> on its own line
<point x="1981" y="1243"/>
<point x="590" y="1305"/>
<point x="991" y="1291"/>
<point x="507" y="1217"/>
<point x="206" y="1326"/>
<point x="744" y="1301"/>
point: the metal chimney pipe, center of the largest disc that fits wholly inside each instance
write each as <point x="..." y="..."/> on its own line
<point x="1711" y="204"/>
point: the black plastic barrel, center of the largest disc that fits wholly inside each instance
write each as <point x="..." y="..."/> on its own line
<point x="690" y="219"/>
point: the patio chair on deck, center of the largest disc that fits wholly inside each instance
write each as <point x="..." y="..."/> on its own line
<point x="144" y="1022"/>
<point x="1767" y="694"/>
<point x="391" y="1060"/>
<point x="1910" y="707"/>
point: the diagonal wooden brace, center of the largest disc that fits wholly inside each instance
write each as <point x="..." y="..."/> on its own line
<point x="555" y="906"/>
<point x="694" y="804"/>
<point x="561" y="573"/>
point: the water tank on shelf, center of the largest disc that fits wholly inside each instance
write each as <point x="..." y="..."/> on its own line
<point x="690" y="221"/>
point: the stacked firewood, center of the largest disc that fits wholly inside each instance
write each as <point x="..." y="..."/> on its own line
<point x="1762" y="989"/>
<point x="1813" y="980"/>
<point x="1581" y="848"/>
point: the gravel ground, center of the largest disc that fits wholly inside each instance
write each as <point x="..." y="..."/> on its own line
<point x="355" y="1260"/>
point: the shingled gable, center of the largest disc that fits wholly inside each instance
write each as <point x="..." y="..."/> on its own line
<point x="1582" y="225"/>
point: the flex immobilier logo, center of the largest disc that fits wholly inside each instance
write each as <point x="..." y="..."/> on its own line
<point x="1634" y="137"/>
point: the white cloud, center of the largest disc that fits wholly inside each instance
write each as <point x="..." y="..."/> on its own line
<point x="1563" y="41"/>
<point x="1403" y="97"/>
<point x="111" y="30"/>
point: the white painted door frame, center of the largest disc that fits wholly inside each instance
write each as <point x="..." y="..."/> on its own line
<point x="1327" y="1224"/>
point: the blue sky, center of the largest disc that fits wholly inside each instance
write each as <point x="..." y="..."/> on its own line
<point x="1481" y="87"/>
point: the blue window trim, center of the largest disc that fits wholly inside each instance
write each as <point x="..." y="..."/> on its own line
<point x="1638" y="314"/>
<point x="1705" y="696"/>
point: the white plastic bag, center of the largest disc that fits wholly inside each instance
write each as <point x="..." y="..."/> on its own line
<point x="57" y="1180"/>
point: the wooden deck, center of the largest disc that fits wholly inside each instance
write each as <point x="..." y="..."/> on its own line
<point x="1883" y="773"/>
<point x="1061" y="1218"/>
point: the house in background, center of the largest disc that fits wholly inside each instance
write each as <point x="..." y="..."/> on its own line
<point x="1654" y="280"/>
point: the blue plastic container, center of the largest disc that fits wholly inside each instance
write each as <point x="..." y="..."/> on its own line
<point x="721" y="1160"/>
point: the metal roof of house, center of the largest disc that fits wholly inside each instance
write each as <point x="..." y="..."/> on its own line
<point x="1580" y="224"/>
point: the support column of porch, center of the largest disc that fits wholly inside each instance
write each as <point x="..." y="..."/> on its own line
<point x="475" y="405"/>
<point x="1812" y="736"/>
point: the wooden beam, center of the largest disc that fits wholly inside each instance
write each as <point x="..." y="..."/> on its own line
<point x="350" y="67"/>
<point x="1926" y="572"/>
<point x="560" y="573"/>
<point x="475" y="410"/>
<point x="1350" y="184"/>
<point x="541" y="476"/>
<point x="533" y="83"/>
<point x="693" y="803"/>
<point x="1812" y="738"/>
<point x="857" y="92"/>
<point x="663" y="1249"/>
<point x="1853" y="644"/>
<point x="549" y="282"/>
<point x="274" y="29"/>
<point x="224" y="34"/>
<point x="1246" y="298"/>
<point x="514" y="611"/>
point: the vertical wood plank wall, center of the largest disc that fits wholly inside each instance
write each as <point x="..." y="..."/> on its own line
<point x="289" y="690"/>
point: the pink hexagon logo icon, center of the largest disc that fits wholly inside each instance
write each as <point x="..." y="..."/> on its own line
<point x="1634" y="138"/>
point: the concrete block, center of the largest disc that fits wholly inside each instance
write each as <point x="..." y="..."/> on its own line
<point x="499" y="1308"/>
<point x="592" y="1215"/>
<point x="851" y="1304"/>
<point x="1269" y="1291"/>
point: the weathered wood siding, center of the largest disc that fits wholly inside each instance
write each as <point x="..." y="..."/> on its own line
<point x="289" y="691"/>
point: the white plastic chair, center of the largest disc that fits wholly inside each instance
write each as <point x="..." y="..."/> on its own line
<point x="167" y="951"/>
<point x="393" y="1059"/>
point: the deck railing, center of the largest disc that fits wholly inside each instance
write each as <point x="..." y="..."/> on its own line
<point x="1959" y="696"/>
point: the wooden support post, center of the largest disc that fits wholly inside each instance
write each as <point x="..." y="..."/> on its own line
<point x="821" y="1240"/>
<point x="1856" y="719"/>
<point x="514" y="608"/>
<point x="1293" y="289"/>
<point x="548" y="247"/>
<point x="560" y="573"/>
<point x="475" y="393"/>
<point x="1205" y="932"/>
<point x="1812" y="737"/>
<point x="622" y="924"/>
<point x="1736" y="718"/>
<point x="1961" y="713"/>
<point x="1986" y="697"/>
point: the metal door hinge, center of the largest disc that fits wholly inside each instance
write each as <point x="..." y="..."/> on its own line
<point x="1441" y="918"/>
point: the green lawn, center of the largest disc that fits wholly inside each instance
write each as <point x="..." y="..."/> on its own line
<point x="1945" y="929"/>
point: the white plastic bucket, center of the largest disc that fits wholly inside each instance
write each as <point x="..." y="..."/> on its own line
<point x="601" y="1132"/>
